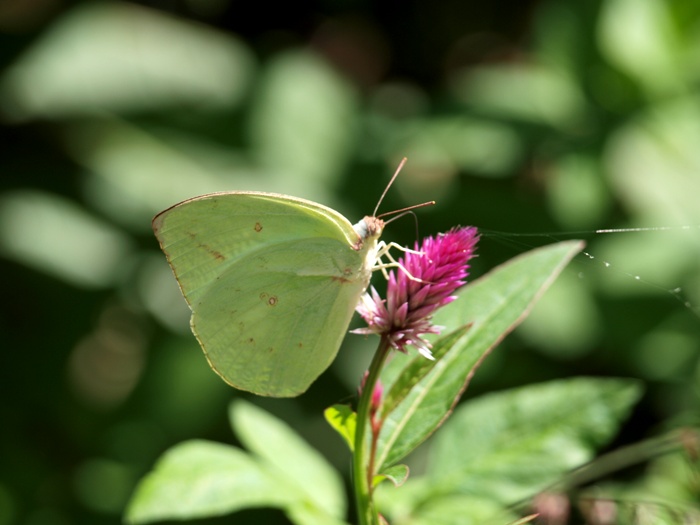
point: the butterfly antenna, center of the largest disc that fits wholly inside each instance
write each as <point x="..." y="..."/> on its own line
<point x="404" y="211"/>
<point x="396" y="173"/>
<point x="409" y="212"/>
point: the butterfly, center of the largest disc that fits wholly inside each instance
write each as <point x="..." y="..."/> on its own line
<point x="272" y="282"/>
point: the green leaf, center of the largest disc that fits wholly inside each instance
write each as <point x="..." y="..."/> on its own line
<point x="199" y="479"/>
<point x="545" y="95"/>
<point x="87" y="63"/>
<point x="411" y="505"/>
<point x="343" y="420"/>
<point x="53" y="235"/>
<point x="397" y="474"/>
<point x="203" y="479"/>
<point x="510" y="445"/>
<point x="279" y="447"/>
<point x="301" y="514"/>
<point x="641" y="39"/>
<point x="304" y="118"/>
<point x="493" y="305"/>
<point x="460" y="510"/>
<point x="403" y="379"/>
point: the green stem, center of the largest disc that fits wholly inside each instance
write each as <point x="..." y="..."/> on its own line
<point x="362" y="476"/>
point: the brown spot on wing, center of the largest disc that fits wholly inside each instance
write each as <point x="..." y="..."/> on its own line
<point x="217" y="255"/>
<point x="345" y="278"/>
<point x="257" y="227"/>
<point x="270" y="299"/>
<point x="211" y="251"/>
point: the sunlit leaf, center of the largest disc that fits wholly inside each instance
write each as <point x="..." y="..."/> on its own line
<point x="113" y="56"/>
<point x="303" y="122"/>
<point x="639" y="36"/>
<point x="544" y="95"/>
<point x="133" y="172"/>
<point x="289" y="457"/>
<point x="343" y="419"/>
<point x="305" y="515"/>
<point x="54" y="235"/>
<point x="480" y="146"/>
<point x="654" y="165"/>
<point x="200" y="479"/>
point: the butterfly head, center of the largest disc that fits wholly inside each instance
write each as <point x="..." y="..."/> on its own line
<point x="369" y="228"/>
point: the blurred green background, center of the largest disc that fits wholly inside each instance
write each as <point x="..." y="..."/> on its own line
<point x="522" y="117"/>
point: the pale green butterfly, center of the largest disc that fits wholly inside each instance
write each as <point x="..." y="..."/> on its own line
<point x="272" y="282"/>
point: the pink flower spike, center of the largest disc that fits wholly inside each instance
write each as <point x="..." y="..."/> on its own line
<point x="432" y="276"/>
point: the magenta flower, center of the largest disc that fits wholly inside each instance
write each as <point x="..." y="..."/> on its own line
<point x="432" y="275"/>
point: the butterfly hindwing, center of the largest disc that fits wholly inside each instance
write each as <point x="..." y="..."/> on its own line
<point x="284" y="318"/>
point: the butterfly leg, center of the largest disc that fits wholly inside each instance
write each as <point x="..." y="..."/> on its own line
<point x="383" y="251"/>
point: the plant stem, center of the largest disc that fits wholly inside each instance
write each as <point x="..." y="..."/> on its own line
<point x="362" y="474"/>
